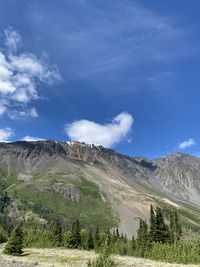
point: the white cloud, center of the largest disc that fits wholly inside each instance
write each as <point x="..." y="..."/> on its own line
<point x="2" y="109"/>
<point x="187" y="143"/>
<point x="32" y="138"/>
<point x="12" y="40"/>
<point x="5" y="134"/>
<point x="106" y="135"/>
<point x="23" y="114"/>
<point x="20" y="75"/>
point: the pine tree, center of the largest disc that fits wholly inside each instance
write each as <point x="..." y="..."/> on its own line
<point x="133" y="243"/>
<point x="117" y="233"/>
<point x="75" y="235"/>
<point x="178" y="228"/>
<point x="15" y="243"/>
<point x="152" y="227"/>
<point x="175" y="228"/>
<point x="171" y="228"/>
<point x="142" y="234"/>
<point x="97" y="239"/>
<point x="56" y="233"/>
<point x="90" y="240"/>
<point x="161" y="232"/>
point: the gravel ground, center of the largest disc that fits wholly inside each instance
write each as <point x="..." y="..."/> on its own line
<point x="72" y="258"/>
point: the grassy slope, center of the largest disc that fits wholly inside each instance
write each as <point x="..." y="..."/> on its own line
<point x="93" y="209"/>
<point x="189" y="213"/>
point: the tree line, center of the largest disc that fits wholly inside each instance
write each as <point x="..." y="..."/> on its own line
<point x="156" y="231"/>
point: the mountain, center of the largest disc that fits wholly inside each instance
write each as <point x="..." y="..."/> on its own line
<point x="100" y="186"/>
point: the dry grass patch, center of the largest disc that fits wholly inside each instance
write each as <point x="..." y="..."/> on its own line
<point x="73" y="258"/>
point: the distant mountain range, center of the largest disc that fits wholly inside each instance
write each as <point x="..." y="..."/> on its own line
<point x="96" y="184"/>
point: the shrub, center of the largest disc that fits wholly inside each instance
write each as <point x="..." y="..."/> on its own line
<point x="15" y="243"/>
<point x="3" y="235"/>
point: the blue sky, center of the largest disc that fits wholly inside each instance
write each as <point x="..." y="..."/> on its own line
<point x="124" y="74"/>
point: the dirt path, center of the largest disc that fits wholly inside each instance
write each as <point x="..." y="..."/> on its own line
<point x="72" y="258"/>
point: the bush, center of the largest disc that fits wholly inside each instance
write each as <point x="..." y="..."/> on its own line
<point x="103" y="260"/>
<point x="15" y="242"/>
<point x="181" y="252"/>
<point x="3" y="236"/>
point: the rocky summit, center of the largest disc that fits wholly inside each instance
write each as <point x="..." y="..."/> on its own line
<point x="97" y="184"/>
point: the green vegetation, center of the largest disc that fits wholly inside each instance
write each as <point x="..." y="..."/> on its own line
<point x="156" y="240"/>
<point x="186" y="252"/>
<point x="74" y="240"/>
<point x="104" y="259"/>
<point x="37" y="196"/>
<point x="56" y="233"/>
<point x="51" y="219"/>
<point x="15" y="243"/>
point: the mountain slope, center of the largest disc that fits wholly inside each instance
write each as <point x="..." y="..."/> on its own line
<point x="99" y="185"/>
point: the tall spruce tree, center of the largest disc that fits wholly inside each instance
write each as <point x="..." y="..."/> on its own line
<point x="152" y="225"/>
<point x="161" y="229"/>
<point x="90" y="240"/>
<point x="117" y="233"/>
<point x="97" y="239"/>
<point x="133" y="243"/>
<point x="56" y="233"/>
<point x="15" y="243"/>
<point x="142" y="234"/>
<point x="171" y="228"/>
<point x="178" y="227"/>
<point x="75" y="235"/>
<point x="175" y="228"/>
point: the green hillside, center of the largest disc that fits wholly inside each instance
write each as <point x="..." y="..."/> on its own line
<point x="36" y="201"/>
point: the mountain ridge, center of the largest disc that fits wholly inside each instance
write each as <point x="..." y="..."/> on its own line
<point x="52" y="169"/>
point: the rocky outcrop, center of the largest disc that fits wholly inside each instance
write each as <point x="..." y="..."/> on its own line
<point x="177" y="174"/>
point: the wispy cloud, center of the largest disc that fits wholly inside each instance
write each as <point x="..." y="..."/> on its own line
<point x="94" y="133"/>
<point x="117" y="40"/>
<point x="187" y="143"/>
<point x="6" y="134"/>
<point x="20" y="75"/>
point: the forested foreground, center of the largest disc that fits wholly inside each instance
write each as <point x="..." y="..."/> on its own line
<point x="156" y="240"/>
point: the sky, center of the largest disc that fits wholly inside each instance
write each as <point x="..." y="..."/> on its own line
<point x="122" y="74"/>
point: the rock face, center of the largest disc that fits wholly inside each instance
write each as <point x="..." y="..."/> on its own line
<point x="130" y="184"/>
<point x="179" y="174"/>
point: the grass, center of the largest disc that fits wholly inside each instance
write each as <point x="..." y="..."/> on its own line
<point x="76" y="258"/>
<point x="92" y="210"/>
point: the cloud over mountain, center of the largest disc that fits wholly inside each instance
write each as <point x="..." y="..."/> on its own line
<point x="187" y="143"/>
<point x="106" y="135"/>
<point x="5" y="134"/>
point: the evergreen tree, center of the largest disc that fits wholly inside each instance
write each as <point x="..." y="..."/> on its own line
<point x="75" y="235"/>
<point x="90" y="240"/>
<point x="152" y="225"/>
<point x="133" y="243"/>
<point x="142" y="235"/>
<point x="178" y="228"/>
<point x="97" y="239"/>
<point x="56" y="233"/>
<point x="171" y="228"/>
<point x="15" y="243"/>
<point x="117" y="233"/>
<point x="161" y="230"/>
<point x="175" y="228"/>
